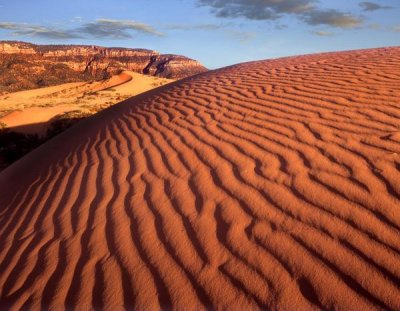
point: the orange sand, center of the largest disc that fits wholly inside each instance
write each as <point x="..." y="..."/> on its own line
<point x="31" y="111"/>
<point x="271" y="184"/>
<point x="33" y="120"/>
<point x="113" y="81"/>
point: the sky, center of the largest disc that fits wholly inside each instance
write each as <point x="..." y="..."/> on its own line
<point x="215" y="32"/>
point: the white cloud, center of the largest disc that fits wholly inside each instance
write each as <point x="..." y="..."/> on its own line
<point x="101" y="28"/>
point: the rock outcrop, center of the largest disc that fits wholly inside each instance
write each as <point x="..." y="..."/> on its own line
<point x="25" y="65"/>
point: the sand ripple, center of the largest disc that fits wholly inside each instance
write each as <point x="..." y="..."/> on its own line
<point x="271" y="184"/>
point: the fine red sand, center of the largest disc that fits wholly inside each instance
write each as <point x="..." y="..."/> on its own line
<point x="271" y="184"/>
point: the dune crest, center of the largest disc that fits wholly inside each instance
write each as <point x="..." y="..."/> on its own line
<point x="270" y="184"/>
<point x="32" y="111"/>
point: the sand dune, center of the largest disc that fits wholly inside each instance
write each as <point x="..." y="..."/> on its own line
<point x="271" y="184"/>
<point x="31" y="111"/>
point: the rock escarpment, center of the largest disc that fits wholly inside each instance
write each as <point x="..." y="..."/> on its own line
<point x="25" y="65"/>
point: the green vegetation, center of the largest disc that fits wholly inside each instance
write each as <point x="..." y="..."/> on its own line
<point x="17" y="72"/>
<point x="15" y="145"/>
<point x="61" y="122"/>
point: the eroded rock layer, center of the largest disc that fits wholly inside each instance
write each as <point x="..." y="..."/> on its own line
<point x="25" y="65"/>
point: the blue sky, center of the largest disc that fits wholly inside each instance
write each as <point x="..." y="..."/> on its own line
<point x="215" y="32"/>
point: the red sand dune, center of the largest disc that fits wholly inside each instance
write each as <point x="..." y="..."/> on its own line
<point x="271" y="184"/>
<point x="116" y="80"/>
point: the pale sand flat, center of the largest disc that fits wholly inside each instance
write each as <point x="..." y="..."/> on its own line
<point x="31" y="111"/>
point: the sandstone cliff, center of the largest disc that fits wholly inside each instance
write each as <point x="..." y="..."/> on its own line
<point x="25" y="65"/>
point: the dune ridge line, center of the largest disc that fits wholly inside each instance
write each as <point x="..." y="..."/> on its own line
<point x="270" y="184"/>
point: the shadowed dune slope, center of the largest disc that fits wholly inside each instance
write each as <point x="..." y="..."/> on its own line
<point x="271" y="184"/>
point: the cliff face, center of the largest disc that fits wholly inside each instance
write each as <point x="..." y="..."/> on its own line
<point x="25" y="65"/>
